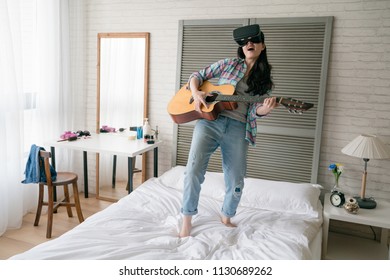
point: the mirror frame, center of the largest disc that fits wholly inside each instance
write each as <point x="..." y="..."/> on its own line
<point x="146" y="36"/>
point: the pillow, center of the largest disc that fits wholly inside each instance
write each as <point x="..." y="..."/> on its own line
<point x="213" y="185"/>
<point x="297" y="198"/>
<point x="171" y="177"/>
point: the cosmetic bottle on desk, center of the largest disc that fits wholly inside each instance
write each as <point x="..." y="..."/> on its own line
<point x="147" y="130"/>
<point x="156" y="132"/>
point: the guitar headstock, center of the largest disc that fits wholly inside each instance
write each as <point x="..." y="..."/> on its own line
<point x="295" y="106"/>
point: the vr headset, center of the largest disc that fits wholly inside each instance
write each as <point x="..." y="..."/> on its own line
<point x="249" y="33"/>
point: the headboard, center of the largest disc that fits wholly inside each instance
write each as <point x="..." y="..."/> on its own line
<point x="288" y="145"/>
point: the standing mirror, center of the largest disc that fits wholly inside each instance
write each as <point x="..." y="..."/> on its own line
<point x="122" y="102"/>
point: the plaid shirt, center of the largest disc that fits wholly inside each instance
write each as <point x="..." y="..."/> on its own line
<point x="231" y="71"/>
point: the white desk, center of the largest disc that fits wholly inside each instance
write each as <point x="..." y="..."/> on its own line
<point x="111" y="144"/>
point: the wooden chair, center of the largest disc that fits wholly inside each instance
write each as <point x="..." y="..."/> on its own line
<point x="63" y="179"/>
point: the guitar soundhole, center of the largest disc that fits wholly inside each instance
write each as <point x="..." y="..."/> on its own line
<point x="212" y="98"/>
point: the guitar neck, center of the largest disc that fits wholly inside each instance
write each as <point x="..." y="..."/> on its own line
<point x="289" y="103"/>
<point x="242" y="98"/>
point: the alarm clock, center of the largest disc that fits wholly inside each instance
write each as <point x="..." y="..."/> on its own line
<point x="337" y="198"/>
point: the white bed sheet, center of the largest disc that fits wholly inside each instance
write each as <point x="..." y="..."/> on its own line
<point x="145" y="225"/>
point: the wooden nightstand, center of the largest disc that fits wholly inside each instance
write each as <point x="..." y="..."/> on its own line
<point x="345" y="247"/>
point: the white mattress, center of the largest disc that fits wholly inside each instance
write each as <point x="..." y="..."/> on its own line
<point x="145" y="225"/>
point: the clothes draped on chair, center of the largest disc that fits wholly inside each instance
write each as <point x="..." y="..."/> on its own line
<point x="34" y="172"/>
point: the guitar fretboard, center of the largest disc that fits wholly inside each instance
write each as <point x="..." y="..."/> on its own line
<point x="240" y="98"/>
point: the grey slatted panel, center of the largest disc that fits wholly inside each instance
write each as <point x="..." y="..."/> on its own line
<point x="281" y="158"/>
<point x="203" y="45"/>
<point x="295" y="51"/>
<point x="291" y="157"/>
<point x="184" y="137"/>
<point x="286" y="144"/>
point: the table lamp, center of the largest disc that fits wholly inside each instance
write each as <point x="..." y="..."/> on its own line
<point x="367" y="147"/>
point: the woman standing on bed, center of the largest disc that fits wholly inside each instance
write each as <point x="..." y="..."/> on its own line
<point x="233" y="130"/>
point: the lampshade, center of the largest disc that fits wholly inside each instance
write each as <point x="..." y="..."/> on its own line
<point x="367" y="146"/>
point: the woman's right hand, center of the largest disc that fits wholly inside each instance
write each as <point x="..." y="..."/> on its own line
<point x="198" y="95"/>
<point x="199" y="99"/>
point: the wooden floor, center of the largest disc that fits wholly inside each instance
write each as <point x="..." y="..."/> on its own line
<point x="19" y="240"/>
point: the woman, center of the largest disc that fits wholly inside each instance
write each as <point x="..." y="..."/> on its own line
<point x="233" y="130"/>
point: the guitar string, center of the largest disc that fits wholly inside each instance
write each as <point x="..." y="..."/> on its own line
<point x="291" y="103"/>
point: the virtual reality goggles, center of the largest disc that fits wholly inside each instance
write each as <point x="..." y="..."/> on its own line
<point x="249" y="33"/>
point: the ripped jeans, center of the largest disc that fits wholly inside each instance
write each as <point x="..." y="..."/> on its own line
<point x="228" y="134"/>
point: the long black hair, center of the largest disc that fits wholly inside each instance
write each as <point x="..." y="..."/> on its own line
<point x="259" y="79"/>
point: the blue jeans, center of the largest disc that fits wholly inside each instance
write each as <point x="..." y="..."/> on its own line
<point x="228" y="134"/>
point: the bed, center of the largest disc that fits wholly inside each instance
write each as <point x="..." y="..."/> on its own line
<point x="275" y="221"/>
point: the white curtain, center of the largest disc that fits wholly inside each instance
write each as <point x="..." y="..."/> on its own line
<point x="37" y="99"/>
<point x="11" y="117"/>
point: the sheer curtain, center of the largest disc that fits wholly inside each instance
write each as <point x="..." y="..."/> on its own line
<point x="11" y="117"/>
<point x="37" y="94"/>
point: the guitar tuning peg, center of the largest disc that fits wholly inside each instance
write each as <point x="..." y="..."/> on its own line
<point x="292" y="111"/>
<point x="295" y="111"/>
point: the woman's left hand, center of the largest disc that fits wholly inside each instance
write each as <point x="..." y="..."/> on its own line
<point x="268" y="105"/>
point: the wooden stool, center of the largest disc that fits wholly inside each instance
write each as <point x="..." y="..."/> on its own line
<point x="63" y="179"/>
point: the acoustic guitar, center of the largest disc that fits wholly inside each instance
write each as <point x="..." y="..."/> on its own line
<point x="182" y="108"/>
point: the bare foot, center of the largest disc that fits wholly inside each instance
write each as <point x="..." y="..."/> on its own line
<point x="186" y="226"/>
<point x="226" y="221"/>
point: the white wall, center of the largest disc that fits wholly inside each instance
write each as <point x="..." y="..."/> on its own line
<point x="358" y="89"/>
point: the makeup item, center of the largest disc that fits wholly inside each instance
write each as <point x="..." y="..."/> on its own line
<point x="147" y="130"/>
<point x="72" y="138"/>
<point x="139" y="132"/>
